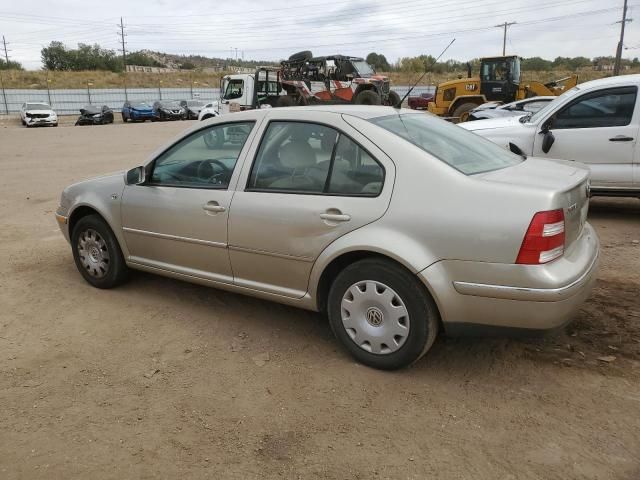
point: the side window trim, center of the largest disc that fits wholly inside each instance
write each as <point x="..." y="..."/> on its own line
<point x="340" y="133"/>
<point x="152" y="164"/>
<point x="588" y="95"/>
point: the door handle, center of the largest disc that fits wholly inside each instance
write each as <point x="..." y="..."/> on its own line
<point x="621" y="138"/>
<point x="335" y="217"/>
<point x="214" y="207"/>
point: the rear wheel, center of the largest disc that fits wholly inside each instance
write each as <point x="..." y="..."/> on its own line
<point x="462" y="111"/>
<point x="97" y="254"/>
<point x="394" y="99"/>
<point x="381" y="314"/>
<point x="285" y="101"/>
<point x="367" y="97"/>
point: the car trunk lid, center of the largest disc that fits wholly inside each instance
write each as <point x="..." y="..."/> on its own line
<point x="566" y="182"/>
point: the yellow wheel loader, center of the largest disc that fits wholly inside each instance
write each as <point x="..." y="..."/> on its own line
<point x="499" y="80"/>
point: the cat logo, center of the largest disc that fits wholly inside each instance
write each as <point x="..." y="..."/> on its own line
<point x="470" y="87"/>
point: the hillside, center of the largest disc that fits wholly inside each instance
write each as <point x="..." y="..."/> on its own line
<point x="185" y="78"/>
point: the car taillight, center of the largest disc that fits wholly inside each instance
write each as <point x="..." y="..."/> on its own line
<point x="544" y="240"/>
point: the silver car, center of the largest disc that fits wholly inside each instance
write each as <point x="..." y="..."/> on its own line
<point x="395" y="224"/>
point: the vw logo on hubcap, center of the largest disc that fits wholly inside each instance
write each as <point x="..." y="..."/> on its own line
<point x="374" y="316"/>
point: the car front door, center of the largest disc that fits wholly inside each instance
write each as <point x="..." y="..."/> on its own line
<point x="599" y="129"/>
<point x="177" y="220"/>
<point x="313" y="179"/>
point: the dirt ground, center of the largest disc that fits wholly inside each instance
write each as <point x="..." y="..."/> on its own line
<point x="163" y="379"/>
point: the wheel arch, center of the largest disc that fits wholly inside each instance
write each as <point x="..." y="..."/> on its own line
<point x="321" y="281"/>
<point x="84" y="209"/>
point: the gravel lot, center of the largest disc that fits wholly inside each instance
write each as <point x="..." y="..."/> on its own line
<point x="163" y="379"/>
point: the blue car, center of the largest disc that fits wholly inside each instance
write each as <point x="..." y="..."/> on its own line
<point x="137" y="112"/>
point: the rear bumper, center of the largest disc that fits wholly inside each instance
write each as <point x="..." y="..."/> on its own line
<point x="477" y="296"/>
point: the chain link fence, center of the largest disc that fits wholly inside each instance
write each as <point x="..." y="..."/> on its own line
<point x="70" y="101"/>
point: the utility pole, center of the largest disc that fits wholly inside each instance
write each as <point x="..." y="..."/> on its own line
<point x="6" y="52"/>
<point x="505" y="25"/>
<point x="124" y="58"/>
<point x="616" y="66"/>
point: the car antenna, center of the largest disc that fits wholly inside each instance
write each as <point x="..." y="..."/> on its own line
<point x="426" y="70"/>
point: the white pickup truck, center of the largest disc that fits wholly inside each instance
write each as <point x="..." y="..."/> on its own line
<point x="596" y="123"/>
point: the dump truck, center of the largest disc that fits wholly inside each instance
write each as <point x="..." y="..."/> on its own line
<point x="499" y="80"/>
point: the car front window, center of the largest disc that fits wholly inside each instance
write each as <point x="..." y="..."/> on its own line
<point x="458" y="148"/>
<point x="552" y="104"/>
<point x="205" y="159"/>
<point x="38" y="106"/>
<point x="363" y="68"/>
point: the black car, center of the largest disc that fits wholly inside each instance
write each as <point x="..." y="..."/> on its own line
<point x="93" y="115"/>
<point x="168" y="110"/>
<point x="192" y="108"/>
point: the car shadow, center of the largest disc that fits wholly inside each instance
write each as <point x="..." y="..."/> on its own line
<point x="292" y="333"/>
<point x="614" y="208"/>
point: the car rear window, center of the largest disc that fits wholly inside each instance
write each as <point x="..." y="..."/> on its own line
<point x="457" y="147"/>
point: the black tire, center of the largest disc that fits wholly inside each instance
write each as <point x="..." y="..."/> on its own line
<point x="462" y="111"/>
<point x="285" y="101"/>
<point x="114" y="271"/>
<point x="124" y="119"/>
<point x="422" y="312"/>
<point x="394" y="99"/>
<point x="207" y="117"/>
<point x="367" y="97"/>
<point x="301" y="56"/>
<point x="23" y="122"/>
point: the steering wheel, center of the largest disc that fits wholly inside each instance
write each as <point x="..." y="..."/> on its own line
<point x="205" y="170"/>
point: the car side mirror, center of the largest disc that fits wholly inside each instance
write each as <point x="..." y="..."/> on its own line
<point x="135" y="176"/>
<point x="547" y="141"/>
<point x="546" y="126"/>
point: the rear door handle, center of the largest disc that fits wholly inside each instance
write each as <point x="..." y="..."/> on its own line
<point x="335" y="217"/>
<point x="213" y="207"/>
<point x="621" y="138"/>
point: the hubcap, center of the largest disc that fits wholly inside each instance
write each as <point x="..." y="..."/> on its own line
<point x="375" y="317"/>
<point x="93" y="253"/>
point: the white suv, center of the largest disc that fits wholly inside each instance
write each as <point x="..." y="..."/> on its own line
<point x="37" y="113"/>
<point x="595" y="123"/>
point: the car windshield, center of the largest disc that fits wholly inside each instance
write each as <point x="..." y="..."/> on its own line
<point x="363" y="68"/>
<point x="457" y="147"/>
<point x="38" y="106"/>
<point x="142" y="105"/>
<point x="550" y="106"/>
<point x="233" y="89"/>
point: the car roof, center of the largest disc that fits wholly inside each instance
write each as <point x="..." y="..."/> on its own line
<point x="362" y="111"/>
<point x="611" y="81"/>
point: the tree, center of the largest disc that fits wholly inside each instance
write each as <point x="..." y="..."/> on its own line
<point x="86" y="57"/>
<point x="378" y="62"/>
<point x="187" y="66"/>
<point x="11" y="65"/>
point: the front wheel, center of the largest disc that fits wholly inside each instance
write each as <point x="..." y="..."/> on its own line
<point x="462" y="111"/>
<point x="97" y="254"/>
<point x="382" y="314"/>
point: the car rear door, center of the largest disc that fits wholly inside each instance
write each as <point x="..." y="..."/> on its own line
<point x="310" y="180"/>
<point x="600" y="129"/>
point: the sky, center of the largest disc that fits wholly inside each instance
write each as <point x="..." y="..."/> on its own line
<point x="275" y="29"/>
